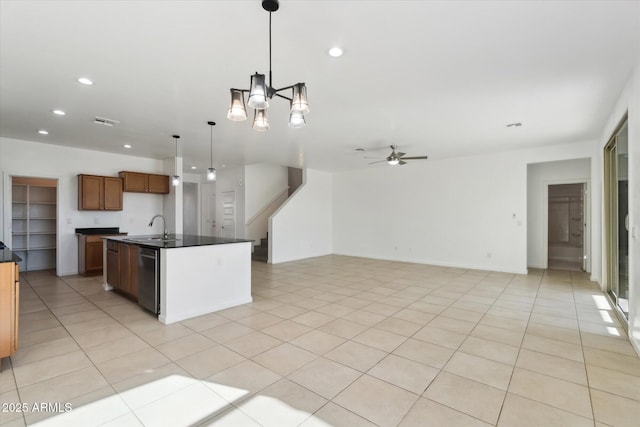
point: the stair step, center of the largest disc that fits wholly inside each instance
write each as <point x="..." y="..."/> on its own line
<point x="260" y="250"/>
<point x="263" y="258"/>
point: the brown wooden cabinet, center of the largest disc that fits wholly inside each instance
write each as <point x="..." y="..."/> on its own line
<point x="90" y="256"/>
<point x="113" y="264"/>
<point x="99" y="193"/>
<point x="9" y="308"/>
<point x="137" y="182"/>
<point x="128" y="257"/>
<point x="122" y="268"/>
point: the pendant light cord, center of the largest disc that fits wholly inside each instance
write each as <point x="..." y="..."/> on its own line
<point x="211" y="146"/>
<point x="270" y="75"/>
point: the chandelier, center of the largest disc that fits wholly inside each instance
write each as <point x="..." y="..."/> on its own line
<point x="260" y="93"/>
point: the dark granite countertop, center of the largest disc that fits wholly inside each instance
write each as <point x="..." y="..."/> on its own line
<point x="98" y="230"/>
<point x="7" y="255"/>
<point x="175" y="240"/>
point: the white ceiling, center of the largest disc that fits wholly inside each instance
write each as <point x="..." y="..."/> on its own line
<point x="441" y="78"/>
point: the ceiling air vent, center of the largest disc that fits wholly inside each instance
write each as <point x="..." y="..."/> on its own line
<point x="105" y="121"/>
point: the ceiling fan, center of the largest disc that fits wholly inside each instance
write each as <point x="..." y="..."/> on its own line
<point x="397" y="158"/>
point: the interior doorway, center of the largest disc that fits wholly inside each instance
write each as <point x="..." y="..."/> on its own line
<point x="190" y="208"/>
<point x="566" y="227"/>
<point x="209" y="209"/>
<point x="34" y="211"/>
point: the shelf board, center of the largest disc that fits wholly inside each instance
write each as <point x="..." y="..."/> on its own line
<point x="18" y="202"/>
<point x="41" y="217"/>
<point x="40" y="233"/>
<point x="42" y="203"/>
<point x="19" y="233"/>
<point x="43" y="248"/>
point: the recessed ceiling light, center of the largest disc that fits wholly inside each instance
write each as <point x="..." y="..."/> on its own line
<point x="193" y="167"/>
<point x="514" y="125"/>
<point x="336" y="52"/>
<point x="43" y="132"/>
<point x="359" y="149"/>
<point x="127" y="145"/>
<point x="85" y="81"/>
<point x="58" y="112"/>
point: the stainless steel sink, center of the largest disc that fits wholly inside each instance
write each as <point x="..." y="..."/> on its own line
<point x="150" y="239"/>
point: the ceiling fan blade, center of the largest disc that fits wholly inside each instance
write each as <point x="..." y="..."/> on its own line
<point x="400" y="154"/>
<point x="379" y="161"/>
<point x="416" y="158"/>
<point x="402" y="162"/>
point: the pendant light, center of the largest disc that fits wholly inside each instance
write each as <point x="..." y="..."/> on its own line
<point x="211" y="172"/>
<point x="260" y="93"/>
<point x="175" y="181"/>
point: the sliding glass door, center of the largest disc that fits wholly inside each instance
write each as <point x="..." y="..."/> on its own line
<point x="617" y="217"/>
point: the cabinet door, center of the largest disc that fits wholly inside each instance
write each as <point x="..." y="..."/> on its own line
<point x="125" y="268"/>
<point x="112" y="193"/>
<point x="113" y="268"/>
<point x="133" y="270"/>
<point x="93" y="256"/>
<point x="135" y="182"/>
<point x="159" y="184"/>
<point x="90" y="192"/>
<point x="8" y="309"/>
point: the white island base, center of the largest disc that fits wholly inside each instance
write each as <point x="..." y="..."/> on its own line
<point x="197" y="280"/>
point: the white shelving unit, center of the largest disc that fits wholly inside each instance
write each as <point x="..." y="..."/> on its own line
<point x="33" y="224"/>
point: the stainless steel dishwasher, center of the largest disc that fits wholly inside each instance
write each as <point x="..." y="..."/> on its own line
<point x="149" y="279"/>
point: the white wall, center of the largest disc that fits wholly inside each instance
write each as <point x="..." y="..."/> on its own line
<point x="172" y="206"/>
<point x="539" y="176"/>
<point x="266" y="187"/>
<point x="26" y="158"/>
<point x="629" y="101"/>
<point x="262" y="183"/>
<point x="303" y="226"/>
<point x="468" y="212"/>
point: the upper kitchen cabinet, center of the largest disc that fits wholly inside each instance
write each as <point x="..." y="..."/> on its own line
<point x="99" y="193"/>
<point x="136" y="182"/>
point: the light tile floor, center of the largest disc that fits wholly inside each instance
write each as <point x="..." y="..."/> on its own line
<point x="335" y="340"/>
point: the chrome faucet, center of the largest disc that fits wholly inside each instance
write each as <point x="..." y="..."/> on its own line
<point x="165" y="236"/>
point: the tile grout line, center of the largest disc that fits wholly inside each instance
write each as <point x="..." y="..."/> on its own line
<point x="82" y="348"/>
<point x="506" y="392"/>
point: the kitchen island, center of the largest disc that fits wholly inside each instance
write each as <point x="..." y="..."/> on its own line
<point x="194" y="275"/>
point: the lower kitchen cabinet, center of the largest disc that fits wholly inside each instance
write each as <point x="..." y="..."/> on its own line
<point x="9" y="308"/>
<point x="122" y="268"/>
<point x="128" y="255"/>
<point x="90" y="253"/>
<point x="113" y="264"/>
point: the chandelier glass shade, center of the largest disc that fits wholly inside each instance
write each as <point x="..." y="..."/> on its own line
<point x="237" y="110"/>
<point x="260" y="120"/>
<point x="260" y="93"/>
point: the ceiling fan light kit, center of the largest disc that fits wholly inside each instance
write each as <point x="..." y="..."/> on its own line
<point x="397" y="158"/>
<point x="260" y="93"/>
